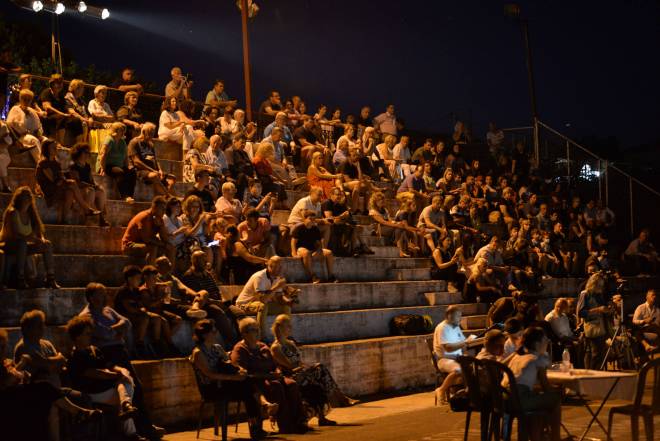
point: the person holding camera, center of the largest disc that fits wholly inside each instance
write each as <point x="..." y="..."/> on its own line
<point x="179" y="87"/>
<point x="592" y="309"/>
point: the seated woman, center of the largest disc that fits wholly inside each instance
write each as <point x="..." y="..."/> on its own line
<point x="30" y="410"/>
<point x="318" y="176"/>
<point x="386" y="154"/>
<point x="93" y="375"/>
<point x="142" y="154"/>
<point x="407" y="216"/>
<point x="448" y="260"/>
<point x="195" y="159"/>
<point x="393" y="230"/>
<point x="316" y="384"/>
<point x="102" y="115"/>
<point x="175" y="229"/>
<point x="5" y="158"/>
<point x="25" y="124"/>
<point x="113" y="162"/>
<point x="237" y="259"/>
<point x="219" y="379"/>
<point x="255" y="357"/>
<point x="228" y="126"/>
<point x="196" y="228"/>
<point x="56" y="188"/>
<point x="528" y="366"/>
<point x="270" y="183"/>
<point x="81" y="172"/>
<point x="482" y="285"/>
<point x="22" y="234"/>
<point x="171" y="127"/>
<point x="130" y="115"/>
<point x="80" y="123"/>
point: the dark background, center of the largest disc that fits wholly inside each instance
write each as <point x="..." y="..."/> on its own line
<point x="596" y="63"/>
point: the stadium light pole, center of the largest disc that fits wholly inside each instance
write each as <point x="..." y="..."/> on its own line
<point x="513" y="10"/>
<point x="246" y="60"/>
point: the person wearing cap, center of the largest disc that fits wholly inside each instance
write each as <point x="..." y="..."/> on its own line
<point x="99" y="109"/>
<point x="493" y="347"/>
<point x="53" y="102"/>
<point x="448" y="344"/>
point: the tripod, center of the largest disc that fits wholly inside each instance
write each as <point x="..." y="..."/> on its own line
<point x="625" y="344"/>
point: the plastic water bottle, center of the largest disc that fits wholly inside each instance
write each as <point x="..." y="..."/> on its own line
<point x="566" y="360"/>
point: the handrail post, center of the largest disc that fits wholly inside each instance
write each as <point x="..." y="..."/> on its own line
<point x="632" y="216"/>
<point x="536" y="141"/>
<point x="607" y="184"/>
<point x="568" y="160"/>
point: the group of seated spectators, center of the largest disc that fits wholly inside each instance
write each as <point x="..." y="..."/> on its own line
<point x="493" y="226"/>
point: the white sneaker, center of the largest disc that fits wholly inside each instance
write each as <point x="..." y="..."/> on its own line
<point x="196" y="314"/>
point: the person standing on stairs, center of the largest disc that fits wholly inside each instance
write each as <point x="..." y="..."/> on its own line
<point x="22" y="235"/>
<point x="113" y="161"/>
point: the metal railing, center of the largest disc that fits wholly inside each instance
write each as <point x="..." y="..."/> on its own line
<point x="589" y="175"/>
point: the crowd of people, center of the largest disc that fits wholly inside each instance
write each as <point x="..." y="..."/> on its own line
<point x="490" y="221"/>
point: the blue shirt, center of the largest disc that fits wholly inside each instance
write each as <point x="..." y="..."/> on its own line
<point x="104" y="335"/>
<point x="286" y="133"/>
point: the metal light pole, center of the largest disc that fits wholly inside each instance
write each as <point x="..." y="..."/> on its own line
<point x="513" y="10"/>
<point x="246" y="60"/>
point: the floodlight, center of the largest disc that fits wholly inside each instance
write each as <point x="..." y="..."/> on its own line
<point x="59" y="8"/>
<point x="105" y="14"/>
<point x="82" y="7"/>
<point x="37" y="6"/>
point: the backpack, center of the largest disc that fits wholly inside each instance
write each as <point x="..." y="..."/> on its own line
<point x="411" y="324"/>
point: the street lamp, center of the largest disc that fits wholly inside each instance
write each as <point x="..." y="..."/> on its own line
<point x="513" y="10"/>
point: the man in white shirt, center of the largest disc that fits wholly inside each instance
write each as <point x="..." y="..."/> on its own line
<point x="311" y="202"/>
<point x="402" y="156"/>
<point x="647" y="319"/>
<point x="448" y="345"/>
<point x="433" y="220"/>
<point x="266" y="292"/>
<point x="559" y="322"/>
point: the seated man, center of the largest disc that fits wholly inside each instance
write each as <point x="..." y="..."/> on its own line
<point x="109" y="334"/>
<point x="198" y="278"/>
<point x="45" y="362"/>
<point x="647" y="320"/>
<point x="255" y="234"/>
<point x="641" y="255"/>
<point x="356" y="182"/>
<point x="344" y="231"/>
<point x="102" y="381"/>
<point x="142" y="154"/>
<point x="513" y="328"/>
<point x="306" y="243"/>
<point x="433" y="222"/>
<point x="448" y="345"/>
<point x="146" y="236"/>
<point x="493" y="347"/>
<point x="266" y="292"/>
<point x="184" y="300"/>
<point x="154" y="297"/>
<point x="128" y="303"/>
<point x="559" y="322"/>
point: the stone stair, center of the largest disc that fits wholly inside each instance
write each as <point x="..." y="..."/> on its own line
<point x="343" y="325"/>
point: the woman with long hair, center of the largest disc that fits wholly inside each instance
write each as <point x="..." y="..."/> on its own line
<point x="393" y="230"/>
<point x="262" y="160"/>
<point x="22" y="235"/>
<point x="318" y="176"/>
<point x="220" y="379"/>
<point x="196" y="224"/>
<point x="316" y="384"/>
<point x="238" y="260"/>
<point x="448" y="259"/>
<point x="113" y="161"/>
<point x="55" y="187"/>
<point x="171" y="127"/>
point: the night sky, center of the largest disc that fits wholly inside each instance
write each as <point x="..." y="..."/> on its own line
<point x="597" y="63"/>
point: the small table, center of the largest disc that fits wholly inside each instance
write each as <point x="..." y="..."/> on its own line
<point x="595" y="384"/>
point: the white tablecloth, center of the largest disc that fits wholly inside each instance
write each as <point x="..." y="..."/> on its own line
<point x="596" y="384"/>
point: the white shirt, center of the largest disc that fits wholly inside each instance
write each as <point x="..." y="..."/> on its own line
<point x="230" y="126"/>
<point x="526" y="368"/>
<point x="165" y="118"/>
<point x="171" y="225"/>
<point x="495" y="139"/>
<point x="447" y="333"/>
<point x="560" y="324"/>
<point x="95" y="108"/>
<point x="258" y="282"/>
<point x="401" y="154"/>
<point x="298" y="210"/>
<point x="644" y="311"/>
<point x="24" y="121"/>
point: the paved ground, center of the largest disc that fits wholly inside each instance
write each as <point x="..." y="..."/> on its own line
<point x="414" y="418"/>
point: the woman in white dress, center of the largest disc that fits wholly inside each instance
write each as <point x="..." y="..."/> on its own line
<point x="171" y="127"/>
<point x="24" y="121"/>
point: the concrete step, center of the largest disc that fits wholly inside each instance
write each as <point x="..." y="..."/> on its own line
<point x="282" y="216"/>
<point x="410" y="273"/>
<point x="80" y="239"/>
<point x="360" y="367"/>
<point x="366" y="323"/>
<point x="119" y="213"/>
<point x="78" y="269"/>
<point x="60" y="305"/>
<point x="143" y="192"/>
